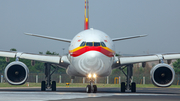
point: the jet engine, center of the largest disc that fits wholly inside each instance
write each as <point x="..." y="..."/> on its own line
<point x="162" y="75"/>
<point x="16" y="73"/>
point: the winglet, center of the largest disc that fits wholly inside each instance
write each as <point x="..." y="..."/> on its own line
<point x="86" y="15"/>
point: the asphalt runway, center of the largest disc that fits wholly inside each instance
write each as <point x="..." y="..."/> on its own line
<point x="79" y="94"/>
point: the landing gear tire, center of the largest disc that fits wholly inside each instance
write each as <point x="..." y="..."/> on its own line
<point x="95" y="89"/>
<point x="88" y="89"/>
<point x="43" y="86"/>
<point x="54" y="86"/>
<point x="122" y="87"/>
<point x="133" y="87"/>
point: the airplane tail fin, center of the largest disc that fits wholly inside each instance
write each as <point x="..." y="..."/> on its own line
<point x="86" y="15"/>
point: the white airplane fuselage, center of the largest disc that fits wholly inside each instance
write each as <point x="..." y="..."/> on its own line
<point x="91" y="51"/>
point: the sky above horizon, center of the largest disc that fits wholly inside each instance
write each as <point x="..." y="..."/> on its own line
<point x="65" y="18"/>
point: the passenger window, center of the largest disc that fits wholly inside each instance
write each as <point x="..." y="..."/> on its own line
<point x="103" y="44"/>
<point x="89" y="44"/>
<point x="96" y="43"/>
<point x="82" y="44"/>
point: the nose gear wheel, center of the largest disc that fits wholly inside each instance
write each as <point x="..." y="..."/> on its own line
<point x="91" y="88"/>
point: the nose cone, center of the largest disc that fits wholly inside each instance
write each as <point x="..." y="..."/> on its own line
<point x="91" y="62"/>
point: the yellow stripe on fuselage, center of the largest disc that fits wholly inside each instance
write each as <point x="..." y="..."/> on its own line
<point x="106" y="48"/>
<point x="78" y="48"/>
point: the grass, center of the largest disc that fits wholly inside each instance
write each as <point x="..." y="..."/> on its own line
<point x="84" y="85"/>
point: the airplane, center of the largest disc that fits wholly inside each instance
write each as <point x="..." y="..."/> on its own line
<point x="91" y="54"/>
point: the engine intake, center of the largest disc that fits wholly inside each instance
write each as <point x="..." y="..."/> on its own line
<point x="162" y="75"/>
<point x="16" y="73"/>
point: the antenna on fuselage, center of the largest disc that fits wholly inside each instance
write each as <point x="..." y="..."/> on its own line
<point x="86" y="15"/>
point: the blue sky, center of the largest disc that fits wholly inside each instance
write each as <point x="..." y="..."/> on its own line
<point x="65" y="18"/>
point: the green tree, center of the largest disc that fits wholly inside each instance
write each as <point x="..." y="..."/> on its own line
<point x="176" y="65"/>
<point x="118" y="54"/>
<point x="13" y="49"/>
<point x="40" y="52"/>
<point x="52" y="53"/>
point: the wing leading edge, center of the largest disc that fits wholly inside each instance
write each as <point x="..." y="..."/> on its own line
<point x="130" y="37"/>
<point x="60" y="60"/>
<point x="48" y="37"/>
<point x="146" y="58"/>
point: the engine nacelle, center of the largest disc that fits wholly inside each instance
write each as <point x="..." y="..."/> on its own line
<point x="16" y="73"/>
<point x="162" y="75"/>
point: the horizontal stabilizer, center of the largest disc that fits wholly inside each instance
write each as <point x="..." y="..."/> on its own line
<point x="48" y="37"/>
<point x="130" y="37"/>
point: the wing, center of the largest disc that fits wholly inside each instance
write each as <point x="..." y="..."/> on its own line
<point x="145" y="58"/>
<point x="48" y="37"/>
<point x="130" y="37"/>
<point x="59" y="60"/>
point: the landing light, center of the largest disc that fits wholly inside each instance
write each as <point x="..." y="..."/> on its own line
<point x="94" y="75"/>
<point x="89" y="75"/>
<point x="117" y="62"/>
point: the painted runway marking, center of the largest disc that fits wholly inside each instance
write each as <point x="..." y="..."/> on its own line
<point x="45" y="96"/>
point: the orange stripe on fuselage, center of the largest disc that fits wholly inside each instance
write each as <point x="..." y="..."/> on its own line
<point x="81" y="50"/>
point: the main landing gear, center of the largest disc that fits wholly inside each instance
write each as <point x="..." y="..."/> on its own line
<point x="47" y="84"/>
<point x="91" y="88"/>
<point x="128" y="85"/>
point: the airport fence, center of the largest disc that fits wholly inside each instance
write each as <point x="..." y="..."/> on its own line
<point x="112" y="79"/>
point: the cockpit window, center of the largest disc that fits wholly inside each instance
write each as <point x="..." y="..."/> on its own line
<point x="89" y="44"/>
<point x="103" y="44"/>
<point x="96" y="43"/>
<point x="82" y="44"/>
<point x="92" y="44"/>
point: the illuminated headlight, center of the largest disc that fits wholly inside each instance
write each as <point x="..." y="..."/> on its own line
<point x="117" y="62"/>
<point x="89" y="75"/>
<point x="94" y="75"/>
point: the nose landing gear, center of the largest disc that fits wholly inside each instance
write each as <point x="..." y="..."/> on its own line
<point x="91" y="88"/>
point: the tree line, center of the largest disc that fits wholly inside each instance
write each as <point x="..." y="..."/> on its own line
<point x="38" y="67"/>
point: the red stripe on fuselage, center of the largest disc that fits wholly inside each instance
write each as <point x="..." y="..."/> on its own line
<point x="92" y="48"/>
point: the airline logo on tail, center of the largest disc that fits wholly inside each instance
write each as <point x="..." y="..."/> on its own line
<point x="86" y="15"/>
